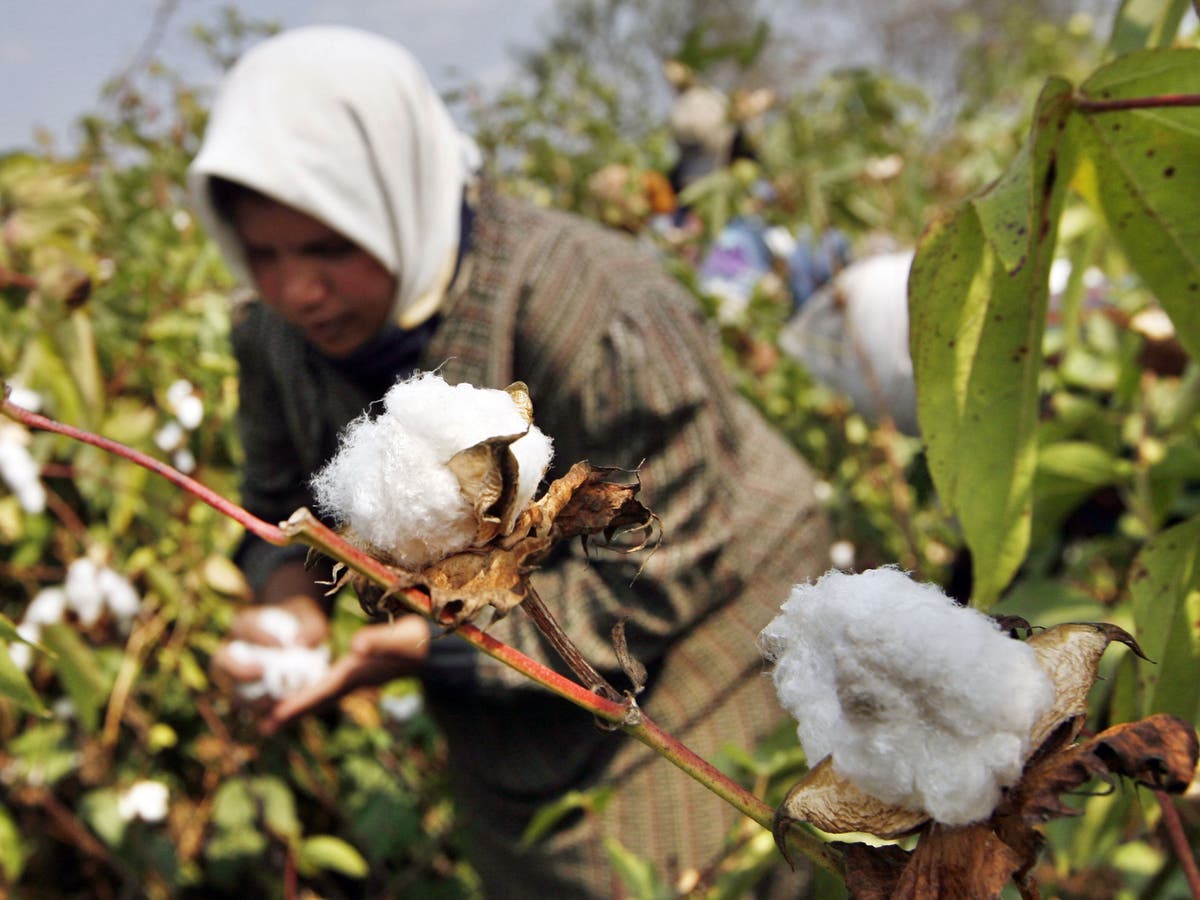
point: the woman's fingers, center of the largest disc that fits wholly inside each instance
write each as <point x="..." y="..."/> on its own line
<point x="378" y="654"/>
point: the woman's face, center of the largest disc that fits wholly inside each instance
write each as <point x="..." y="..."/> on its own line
<point x="338" y="294"/>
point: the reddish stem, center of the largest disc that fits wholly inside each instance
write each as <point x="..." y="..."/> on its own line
<point x="1179" y="842"/>
<point x="1127" y="103"/>
<point x="270" y="533"/>
<point x="304" y="527"/>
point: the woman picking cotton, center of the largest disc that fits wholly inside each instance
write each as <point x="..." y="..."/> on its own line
<point x="336" y="183"/>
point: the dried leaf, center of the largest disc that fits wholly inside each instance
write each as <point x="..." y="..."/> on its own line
<point x="872" y="873"/>
<point x="598" y="506"/>
<point x="496" y="574"/>
<point x="969" y="861"/>
<point x="832" y="803"/>
<point x="1158" y="752"/>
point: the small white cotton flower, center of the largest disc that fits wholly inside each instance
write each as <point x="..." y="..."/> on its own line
<point x="22" y="654"/>
<point x="20" y="471"/>
<point x="389" y="481"/>
<point x="47" y="607"/>
<point x="841" y="554"/>
<point x="921" y="703"/>
<point x="184" y="460"/>
<point x="401" y="709"/>
<point x="84" y="595"/>
<point x="181" y="219"/>
<point x="190" y="412"/>
<point x="119" y="595"/>
<point x="170" y="436"/>
<point x="145" y="800"/>
<point x="24" y="398"/>
<point x="285" y="669"/>
<point x="106" y="268"/>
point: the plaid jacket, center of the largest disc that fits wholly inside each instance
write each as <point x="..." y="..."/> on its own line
<point x="623" y="370"/>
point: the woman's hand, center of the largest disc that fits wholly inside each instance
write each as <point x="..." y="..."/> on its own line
<point x="377" y="654"/>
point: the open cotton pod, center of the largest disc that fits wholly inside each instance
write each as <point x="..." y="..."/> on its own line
<point x="440" y="469"/>
<point x="440" y="486"/>
<point x="923" y="715"/>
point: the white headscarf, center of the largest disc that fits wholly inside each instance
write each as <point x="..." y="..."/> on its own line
<point x="344" y="126"/>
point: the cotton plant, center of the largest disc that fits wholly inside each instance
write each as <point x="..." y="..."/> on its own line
<point x="922" y="716"/>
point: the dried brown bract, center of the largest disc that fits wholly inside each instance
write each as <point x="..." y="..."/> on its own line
<point x="583" y="503"/>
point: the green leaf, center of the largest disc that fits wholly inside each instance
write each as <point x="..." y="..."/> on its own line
<point x="1146" y="23"/>
<point x="638" y="875"/>
<point x="80" y="673"/>
<point x="324" y="851"/>
<point x="1166" y="609"/>
<point x="12" y="851"/>
<point x="1140" y="171"/>
<point x="278" y="807"/>
<point x="978" y="290"/>
<point x="550" y="814"/>
<point x="233" y="805"/>
<point x="14" y="684"/>
<point x="101" y="810"/>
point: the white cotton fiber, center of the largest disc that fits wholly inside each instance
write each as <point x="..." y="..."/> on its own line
<point x="285" y="669"/>
<point x="389" y="482"/>
<point x="921" y="703"/>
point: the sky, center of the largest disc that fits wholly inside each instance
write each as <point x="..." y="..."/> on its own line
<point x="55" y="55"/>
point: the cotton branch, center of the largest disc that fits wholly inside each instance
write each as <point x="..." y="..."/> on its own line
<point x="303" y="527"/>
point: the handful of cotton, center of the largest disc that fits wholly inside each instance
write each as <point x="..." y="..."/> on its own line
<point x="286" y="668"/>
<point x="440" y="486"/>
<point x="918" y="703"/>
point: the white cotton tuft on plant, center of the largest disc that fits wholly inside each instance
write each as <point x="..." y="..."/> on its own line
<point x="47" y="607"/>
<point x="22" y="654"/>
<point x="91" y="589"/>
<point x="389" y="481"/>
<point x="145" y="800"/>
<point x="20" y="471"/>
<point x="921" y="703"/>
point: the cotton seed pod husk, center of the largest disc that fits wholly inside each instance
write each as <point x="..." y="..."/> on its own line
<point x="581" y="504"/>
<point x="825" y="799"/>
<point x="1070" y="654"/>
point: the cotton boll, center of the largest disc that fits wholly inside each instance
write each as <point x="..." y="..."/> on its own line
<point x="390" y="484"/>
<point x="920" y="702"/>
<point x="20" y="471"/>
<point x="169" y="436"/>
<point x="24" y="398"/>
<point x="22" y="654"/>
<point x="190" y="412"/>
<point x="119" y="595"/>
<point x="84" y="596"/>
<point x="47" y="607"/>
<point x="145" y="800"/>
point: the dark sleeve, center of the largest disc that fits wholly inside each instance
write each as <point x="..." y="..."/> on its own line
<point x="273" y="475"/>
